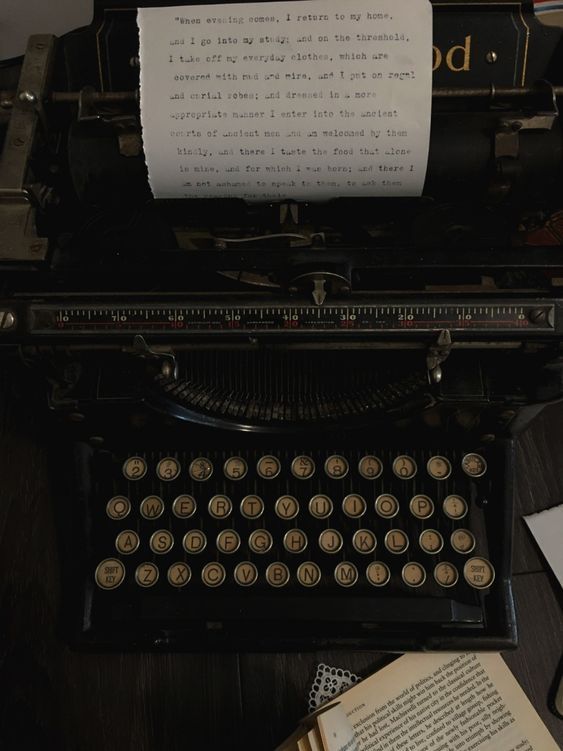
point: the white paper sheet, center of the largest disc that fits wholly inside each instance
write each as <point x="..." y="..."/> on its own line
<point x="547" y="528"/>
<point x="308" y="99"/>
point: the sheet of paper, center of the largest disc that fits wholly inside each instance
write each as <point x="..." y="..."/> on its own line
<point x="547" y="528"/>
<point x="308" y="99"/>
<point x="466" y="702"/>
<point x="336" y="732"/>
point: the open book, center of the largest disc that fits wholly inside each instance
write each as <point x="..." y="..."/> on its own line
<point x="429" y="702"/>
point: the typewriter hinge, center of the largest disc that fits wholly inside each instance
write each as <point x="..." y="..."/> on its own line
<point x="165" y="358"/>
<point x="437" y="354"/>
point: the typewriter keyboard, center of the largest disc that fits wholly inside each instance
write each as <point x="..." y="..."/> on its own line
<point x="405" y="522"/>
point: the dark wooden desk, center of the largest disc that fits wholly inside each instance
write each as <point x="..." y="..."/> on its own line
<point x="52" y="698"/>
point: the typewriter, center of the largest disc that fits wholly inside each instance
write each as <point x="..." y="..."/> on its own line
<point x="285" y="425"/>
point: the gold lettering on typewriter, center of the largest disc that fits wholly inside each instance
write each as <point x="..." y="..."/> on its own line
<point x="213" y="574"/>
<point x="118" y="507"/>
<point x="260" y="541"/>
<point x="127" y="541"/>
<point x="396" y="541"/>
<point x="287" y="507"/>
<point x="179" y="574"/>
<point x="308" y="574"/>
<point x="457" y="58"/>
<point x="277" y="574"/>
<point x="220" y="506"/>
<point x="346" y="574"/>
<point x="146" y="574"/>
<point x="295" y="541"/>
<point x="245" y="573"/>
<point x="151" y="507"/>
<point x="330" y="541"/>
<point x="320" y="506"/>
<point x="109" y="573"/>
<point x="228" y="541"/>
<point x="364" y="541"/>
<point x="194" y="541"/>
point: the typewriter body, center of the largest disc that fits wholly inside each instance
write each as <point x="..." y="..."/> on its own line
<point x="287" y="425"/>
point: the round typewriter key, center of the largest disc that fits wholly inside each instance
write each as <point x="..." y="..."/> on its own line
<point x="118" y="507"/>
<point x="295" y="541"/>
<point x="161" y="541"/>
<point x="200" y="469"/>
<point x="320" y="506"/>
<point x="245" y="573"/>
<point x="364" y="541"/>
<point x="268" y="467"/>
<point x="439" y="467"/>
<point x="474" y="465"/>
<point x="387" y="506"/>
<point x="235" y="468"/>
<point x="252" y="507"/>
<point x="404" y="467"/>
<point x="179" y="574"/>
<point x="354" y="506"/>
<point x="370" y="467"/>
<point x="134" y="468"/>
<point x="109" y="573"/>
<point x="168" y="469"/>
<point x="462" y="541"/>
<point x="213" y="574"/>
<point x="303" y="467"/>
<point x="396" y="541"/>
<point x="330" y="541"/>
<point x="345" y="574"/>
<point x="260" y="541"/>
<point x="413" y="574"/>
<point x="220" y="506"/>
<point x="431" y="541"/>
<point x="127" y="542"/>
<point x="194" y="541"/>
<point x="277" y="574"/>
<point x="228" y="541"/>
<point x="336" y="467"/>
<point x="308" y="574"/>
<point x="378" y="573"/>
<point x="455" y="507"/>
<point x="479" y="573"/>
<point x="287" y="507"/>
<point x="146" y="574"/>
<point x="446" y="574"/>
<point x="421" y="506"/>
<point x="151" y="507"/>
<point x="184" y="506"/>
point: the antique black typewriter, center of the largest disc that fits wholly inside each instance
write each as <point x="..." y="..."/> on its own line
<point x="285" y="425"/>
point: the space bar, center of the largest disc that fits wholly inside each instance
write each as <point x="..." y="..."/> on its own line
<point x="334" y="609"/>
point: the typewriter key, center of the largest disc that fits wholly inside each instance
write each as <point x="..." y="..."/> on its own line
<point x="396" y="541"/>
<point x="220" y="506"/>
<point x="228" y="541"/>
<point x="462" y="541"/>
<point x="431" y="541"/>
<point x="364" y="541"/>
<point x="134" y="468"/>
<point x="474" y="465"/>
<point x="330" y="541"/>
<point x="308" y="574"/>
<point x="277" y="574"/>
<point x="235" y="468"/>
<point x="168" y="469"/>
<point x="260" y="541"/>
<point x="479" y="573"/>
<point x="370" y="467"/>
<point x="354" y="506"/>
<point x="213" y="574"/>
<point x="146" y="574"/>
<point x="320" y="506"/>
<point x="336" y="467"/>
<point x="118" y="507"/>
<point x="387" y="506"/>
<point x="252" y="507"/>
<point x="445" y="574"/>
<point x="455" y="507"/>
<point x="194" y="541"/>
<point x="439" y="467"/>
<point x="295" y="541"/>
<point x="161" y="541"/>
<point x="346" y="574"/>
<point x="151" y="507"/>
<point x="421" y="506"/>
<point x="245" y="573"/>
<point x="287" y="507"/>
<point x="109" y="573"/>
<point x="302" y="467"/>
<point x="413" y="574"/>
<point x="404" y="467"/>
<point x="179" y="574"/>
<point x="184" y="506"/>
<point x="127" y="542"/>
<point x="200" y="469"/>
<point x="268" y="467"/>
<point x="378" y="574"/>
